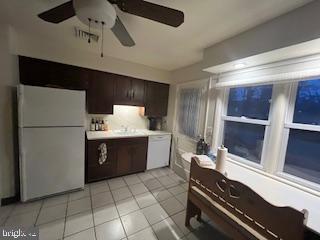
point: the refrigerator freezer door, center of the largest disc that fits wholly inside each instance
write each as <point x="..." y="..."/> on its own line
<point x="46" y="107"/>
<point x="51" y="161"/>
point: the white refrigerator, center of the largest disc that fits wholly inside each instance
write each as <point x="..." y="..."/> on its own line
<point x="51" y="141"/>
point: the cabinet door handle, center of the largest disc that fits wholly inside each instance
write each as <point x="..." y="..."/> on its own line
<point x="132" y="94"/>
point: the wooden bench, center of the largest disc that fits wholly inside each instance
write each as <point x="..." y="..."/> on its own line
<point x="237" y="210"/>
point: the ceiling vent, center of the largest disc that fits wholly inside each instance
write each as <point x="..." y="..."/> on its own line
<point x="85" y="35"/>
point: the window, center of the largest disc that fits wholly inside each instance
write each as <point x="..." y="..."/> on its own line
<point x="269" y="119"/>
<point x="250" y="102"/>
<point x="244" y="140"/>
<point x="246" y="121"/>
<point x="302" y="158"/>
<point x="303" y="132"/>
<point x="307" y="106"/>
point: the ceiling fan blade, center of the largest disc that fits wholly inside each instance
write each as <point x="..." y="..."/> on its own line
<point x="152" y="11"/>
<point x="59" y="13"/>
<point x="122" y="34"/>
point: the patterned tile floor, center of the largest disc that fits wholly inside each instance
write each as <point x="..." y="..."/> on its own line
<point x="146" y="206"/>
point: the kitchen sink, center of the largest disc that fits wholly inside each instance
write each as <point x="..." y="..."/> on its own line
<point x="123" y="132"/>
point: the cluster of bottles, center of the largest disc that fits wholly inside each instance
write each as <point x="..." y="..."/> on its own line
<point x="203" y="148"/>
<point x="98" y="125"/>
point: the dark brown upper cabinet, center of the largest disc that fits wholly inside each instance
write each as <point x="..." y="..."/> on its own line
<point x="129" y="91"/>
<point x="103" y="89"/>
<point x="100" y="94"/>
<point x="122" y="91"/>
<point x="156" y="99"/>
<point x="138" y="91"/>
<point x="43" y="73"/>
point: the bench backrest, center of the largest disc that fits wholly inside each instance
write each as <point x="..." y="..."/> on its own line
<point x="268" y="220"/>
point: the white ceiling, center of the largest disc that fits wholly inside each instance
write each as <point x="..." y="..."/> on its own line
<point x="206" y="23"/>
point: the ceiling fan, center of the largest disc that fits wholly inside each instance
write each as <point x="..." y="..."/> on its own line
<point x="101" y="13"/>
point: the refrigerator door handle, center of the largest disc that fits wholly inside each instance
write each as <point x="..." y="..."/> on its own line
<point x="22" y="174"/>
<point x="22" y="165"/>
<point x="20" y="97"/>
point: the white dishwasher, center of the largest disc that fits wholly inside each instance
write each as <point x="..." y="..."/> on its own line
<point x="158" y="151"/>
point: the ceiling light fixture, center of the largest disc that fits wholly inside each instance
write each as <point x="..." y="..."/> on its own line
<point x="240" y="65"/>
<point x="97" y="11"/>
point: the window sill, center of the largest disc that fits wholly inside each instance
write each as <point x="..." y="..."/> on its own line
<point x="279" y="178"/>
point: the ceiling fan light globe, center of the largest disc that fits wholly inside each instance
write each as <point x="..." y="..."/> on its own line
<point x="97" y="10"/>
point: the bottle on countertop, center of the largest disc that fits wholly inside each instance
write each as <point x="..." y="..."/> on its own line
<point x="200" y="146"/>
<point x="106" y="127"/>
<point x="102" y="125"/>
<point x="92" y="125"/>
<point x="97" y="125"/>
<point x="207" y="148"/>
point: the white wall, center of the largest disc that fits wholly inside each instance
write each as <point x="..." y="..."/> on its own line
<point x="295" y="27"/>
<point x="8" y="81"/>
<point x="43" y="48"/>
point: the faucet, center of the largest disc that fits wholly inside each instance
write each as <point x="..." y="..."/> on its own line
<point x="125" y="128"/>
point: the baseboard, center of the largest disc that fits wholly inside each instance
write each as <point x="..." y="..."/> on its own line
<point x="10" y="200"/>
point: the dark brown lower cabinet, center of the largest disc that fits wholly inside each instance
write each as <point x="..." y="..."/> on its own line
<point x="96" y="171"/>
<point x="124" y="159"/>
<point x="124" y="156"/>
<point x="139" y="156"/>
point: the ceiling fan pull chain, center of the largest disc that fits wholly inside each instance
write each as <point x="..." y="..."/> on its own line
<point x="102" y="35"/>
<point x="89" y="39"/>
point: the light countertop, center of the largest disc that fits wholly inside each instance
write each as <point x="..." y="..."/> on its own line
<point x="112" y="134"/>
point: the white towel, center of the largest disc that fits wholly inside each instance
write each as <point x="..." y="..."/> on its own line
<point x="204" y="161"/>
<point x="103" y="153"/>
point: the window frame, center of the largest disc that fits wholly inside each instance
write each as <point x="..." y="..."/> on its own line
<point x="288" y="125"/>
<point x="266" y="123"/>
